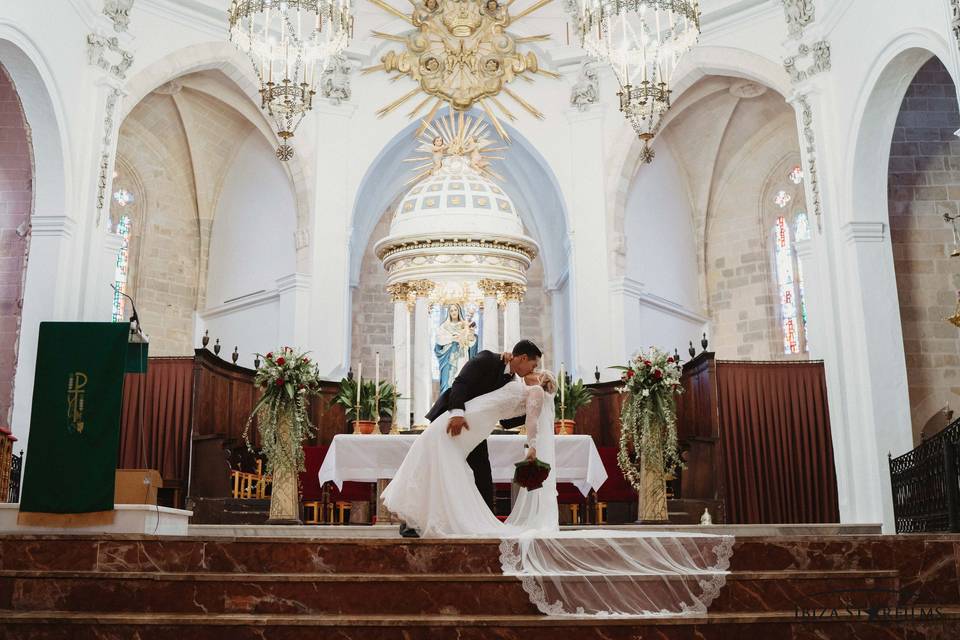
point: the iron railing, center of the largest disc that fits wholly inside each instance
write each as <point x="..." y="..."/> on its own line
<point x="926" y="485"/>
<point x="15" y="468"/>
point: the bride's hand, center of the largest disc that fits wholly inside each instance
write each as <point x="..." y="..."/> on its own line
<point x="531" y="454"/>
<point x="506" y="356"/>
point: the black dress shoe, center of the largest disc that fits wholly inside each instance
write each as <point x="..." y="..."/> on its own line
<point x="408" y="532"/>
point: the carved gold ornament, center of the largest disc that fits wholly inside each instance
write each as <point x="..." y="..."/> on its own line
<point x="461" y="53"/>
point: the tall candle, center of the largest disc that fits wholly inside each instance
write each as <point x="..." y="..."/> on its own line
<point x="359" y="381"/>
<point x="376" y="369"/>
<point x="376" y="385"/>
<point x="563" y="387"/>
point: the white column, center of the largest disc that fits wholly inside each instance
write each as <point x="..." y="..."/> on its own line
<point x="294" y="310"/>
<point x="854" y="317"/>
<point x="45" y="294"/>
<point x="422" y="383"/>
<point x="511" y="316"/>
<point x="324" y="240"/>
<point x="593" y="324"/>
<point x="401" y="352"/>
<point x="491" y="317"/>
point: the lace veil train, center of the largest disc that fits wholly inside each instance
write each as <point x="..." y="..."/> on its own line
<point x="606" y="572"/>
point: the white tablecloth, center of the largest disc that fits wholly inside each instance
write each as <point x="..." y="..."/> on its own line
<point x="368" y="458"/>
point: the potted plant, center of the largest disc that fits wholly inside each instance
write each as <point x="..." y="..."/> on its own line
<point x="568" y="399"/>
<point x="648" y="433"/>
<point x="287" y="379"/>
<point x="374" y="402"/>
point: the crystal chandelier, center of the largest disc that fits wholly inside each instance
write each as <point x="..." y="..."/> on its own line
<point x="290" y="43"/>
<point x="642" y="40"/>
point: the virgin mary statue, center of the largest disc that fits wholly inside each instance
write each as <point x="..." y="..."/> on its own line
<point x="456" y="343"/>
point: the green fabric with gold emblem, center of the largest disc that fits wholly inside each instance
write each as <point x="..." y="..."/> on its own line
<point x="75" y="421"/>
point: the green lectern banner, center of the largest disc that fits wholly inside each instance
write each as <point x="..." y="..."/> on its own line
<point x="75" y="424"/>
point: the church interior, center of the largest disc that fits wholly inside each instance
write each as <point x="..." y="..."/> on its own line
<point x="764" y="194"/>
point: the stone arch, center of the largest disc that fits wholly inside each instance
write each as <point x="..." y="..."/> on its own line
<point x="222" y="56"/>
<point x="532" y="186"/>
<point x="50" y="213"/>
<point x="697" y="64"/>
<point x="875" y="117"/>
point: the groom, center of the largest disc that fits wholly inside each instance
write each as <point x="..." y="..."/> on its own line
<point x="485" y="372"/>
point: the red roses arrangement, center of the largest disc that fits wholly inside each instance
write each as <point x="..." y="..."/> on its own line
<point x="531" y="474"/>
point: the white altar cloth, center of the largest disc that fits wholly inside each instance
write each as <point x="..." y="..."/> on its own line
<point x="368" y="458"/>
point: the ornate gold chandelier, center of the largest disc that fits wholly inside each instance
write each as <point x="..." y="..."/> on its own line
<point x="289" y="43"/>
<point x="642" y="40"/>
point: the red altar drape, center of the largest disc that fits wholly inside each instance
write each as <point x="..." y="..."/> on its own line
<point x="157" y="407"/>
<point x="775" y="432"/>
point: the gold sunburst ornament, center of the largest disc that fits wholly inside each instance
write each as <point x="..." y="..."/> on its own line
<point x="461" y="53"/>
<point x="454" y="135"/>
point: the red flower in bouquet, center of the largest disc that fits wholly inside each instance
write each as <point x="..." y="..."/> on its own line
<point x="279" y="382"/>
<point x="630" y="373"/>
<point x="270" y="355"/>
<point x="281" y="361"/>
<point x="646" y="363"/>
<point x="530" y="474"/>
<point x="657" y="374"/>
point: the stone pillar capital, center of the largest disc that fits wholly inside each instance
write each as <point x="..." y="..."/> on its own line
<point x="421" y="288"/>
<point x="514" y="291"/>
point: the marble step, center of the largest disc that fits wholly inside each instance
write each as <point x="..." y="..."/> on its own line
<point x="427" y="594"/>
<point x="943" y="624"/>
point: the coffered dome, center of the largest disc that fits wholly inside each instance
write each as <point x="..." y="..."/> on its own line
<point x="453" y="224"/>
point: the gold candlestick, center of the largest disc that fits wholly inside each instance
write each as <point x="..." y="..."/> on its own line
<point x="356" y="416"/>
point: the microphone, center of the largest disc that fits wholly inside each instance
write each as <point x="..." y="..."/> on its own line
<point x="135" y="328"/>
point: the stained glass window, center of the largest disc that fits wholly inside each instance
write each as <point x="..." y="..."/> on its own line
<point x="782" y="199"/>
<point x="802" y="226"/>
<point x="796" y="175"/>
<point x="122" y="197"/>
<point x="122" y="268"/>
<point x="787" y="286"/>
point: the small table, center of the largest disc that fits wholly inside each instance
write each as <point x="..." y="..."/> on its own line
<point x="376" y="458"/>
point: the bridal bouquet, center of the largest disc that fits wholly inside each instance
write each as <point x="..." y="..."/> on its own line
<point x="649" y="422"/>
<point x="287" y="379"/>
<point x="531" y="474"/>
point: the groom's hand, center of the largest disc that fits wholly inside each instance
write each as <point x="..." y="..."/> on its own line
<point x="456" y="425"/>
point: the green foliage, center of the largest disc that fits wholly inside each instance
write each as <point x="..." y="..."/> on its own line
<point x="370" y="392"/>
<point x="287" y="380"/>
<point x="576" y="396"/>
<point x="648" y="430"/>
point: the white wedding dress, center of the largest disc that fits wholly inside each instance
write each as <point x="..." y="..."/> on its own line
<point x="592" y="573"/>
<point x="434" y="491"/>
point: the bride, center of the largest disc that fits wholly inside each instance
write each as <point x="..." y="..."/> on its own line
<point x="434" y="489"/>
<point x="599" y="572"/>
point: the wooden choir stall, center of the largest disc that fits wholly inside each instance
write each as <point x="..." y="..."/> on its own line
<point x="755" y="438"/>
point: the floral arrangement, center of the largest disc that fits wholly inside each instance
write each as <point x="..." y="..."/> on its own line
<point x="574" y="397"/>
<point x="531" y="474"/>
<point x="375" y="398"/>
<point x="649" y="418"/>
<point x="286" y="379"/>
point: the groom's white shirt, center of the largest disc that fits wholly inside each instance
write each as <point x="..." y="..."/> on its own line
<point x="458" y="413"/>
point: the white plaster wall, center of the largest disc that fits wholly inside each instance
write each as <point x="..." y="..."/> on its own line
<point x="252" y="328"/>
<point x="659" y="229"/>
<point x="252" y="243"/>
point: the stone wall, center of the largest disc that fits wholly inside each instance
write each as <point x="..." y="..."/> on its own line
<point x="924" y="184"/>
<point x="16" y="204"/>
<point x="173" y="151"/>
<point x="742" y="296"/>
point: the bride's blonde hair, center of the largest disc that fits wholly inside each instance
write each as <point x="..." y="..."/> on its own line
<point x="548" y="381"/>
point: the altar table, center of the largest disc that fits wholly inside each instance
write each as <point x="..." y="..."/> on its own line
<point x="370" y="458"/>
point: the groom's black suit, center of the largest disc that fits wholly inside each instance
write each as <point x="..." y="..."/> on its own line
<point x="482" y="374"/>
